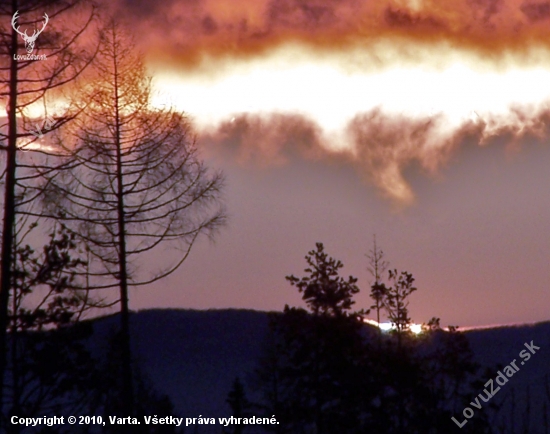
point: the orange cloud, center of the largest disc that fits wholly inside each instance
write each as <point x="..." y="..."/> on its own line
<point x="189" y="32"/>
<point x="382" y="138"/>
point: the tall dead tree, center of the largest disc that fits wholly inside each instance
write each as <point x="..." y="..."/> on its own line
<point x="136" y="185"/>
<point x="377" y="266"/>
<point x="37" y="58"/>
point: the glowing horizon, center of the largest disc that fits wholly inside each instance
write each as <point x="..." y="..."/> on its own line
<point x="331" y="91"/>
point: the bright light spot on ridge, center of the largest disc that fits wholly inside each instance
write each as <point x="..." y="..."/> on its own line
<point x="387" y="326"/>
<point x="416" y="328"/>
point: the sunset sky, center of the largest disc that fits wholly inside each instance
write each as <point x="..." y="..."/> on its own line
<point x="424" y="122"/>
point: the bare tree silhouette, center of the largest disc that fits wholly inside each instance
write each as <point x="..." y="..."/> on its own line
<point x="135" y="184"/>
<point x="25" y="83"/>
<point x="377" y="266"/>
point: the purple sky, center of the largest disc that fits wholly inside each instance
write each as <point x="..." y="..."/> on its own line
<point x="423" y="122"/>
<point x="476" y="238"/>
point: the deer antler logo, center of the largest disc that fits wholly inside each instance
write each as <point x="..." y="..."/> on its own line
<point x="29" y="40"/>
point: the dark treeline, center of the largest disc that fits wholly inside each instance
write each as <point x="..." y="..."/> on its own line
<point x="325" y="371"/>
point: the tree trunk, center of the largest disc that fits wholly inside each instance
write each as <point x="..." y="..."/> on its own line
<point x="9" y="210"/>
<point x="127" y="377"/>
